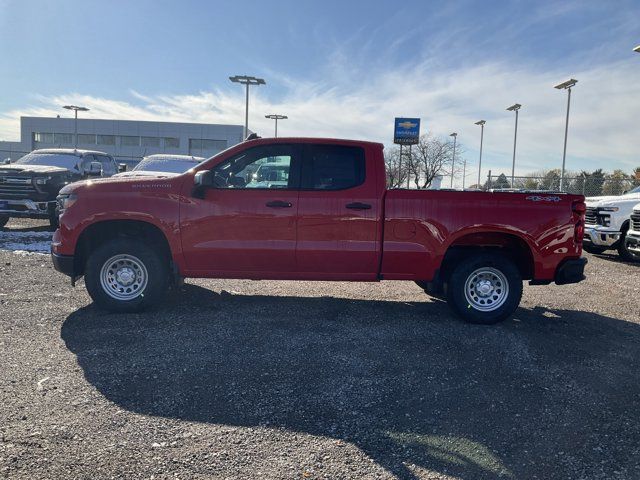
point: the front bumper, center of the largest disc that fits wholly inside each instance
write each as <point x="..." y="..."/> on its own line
<point x="632" y="241"/>
<point x="601" y="237"/>
<point x="64" y="264"/>
<point x="27" y="208"/>
<point x="570" y="271"/>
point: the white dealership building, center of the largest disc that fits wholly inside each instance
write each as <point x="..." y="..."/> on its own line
<point x="127" y="140"/>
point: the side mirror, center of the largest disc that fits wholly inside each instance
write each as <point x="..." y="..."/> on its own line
<point x="95" y="169"/>
<point x="201" y="181"/>
<point x="122" y="167"/>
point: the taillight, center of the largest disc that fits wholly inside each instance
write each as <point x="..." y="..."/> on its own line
<point x="578" y="209"/>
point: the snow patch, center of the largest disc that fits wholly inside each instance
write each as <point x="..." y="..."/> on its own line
<point x="25" y="243"/>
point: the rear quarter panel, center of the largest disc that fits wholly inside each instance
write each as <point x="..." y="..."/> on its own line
<point x="420" y="226"/>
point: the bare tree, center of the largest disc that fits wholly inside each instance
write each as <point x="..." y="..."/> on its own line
<point x="432" y="157"/>
<point x="397" y="170"/>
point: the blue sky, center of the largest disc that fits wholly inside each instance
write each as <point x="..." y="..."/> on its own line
<point x="341" y="68"/>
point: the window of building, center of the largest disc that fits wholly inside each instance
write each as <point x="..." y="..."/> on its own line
<point x="63" y="138"/>
<point x="44" y="137"/>
<point x="86" y="139"/>
<point x="128" y="141"/>
<point x="332" y="167"/>
<point x="207" y="144"/>
<point x="171" y="142"/>
<point x="150" y="141"/>
<point x="106" y="139"/>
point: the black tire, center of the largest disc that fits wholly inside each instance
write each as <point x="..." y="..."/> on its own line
<point x="4" y="219"/>
<point x="149" y="295"/>
<point x="54" y="221"/>
<point x="594" y="250"/>
<point x="624" y="252"/>
<point x="509" y="299"/>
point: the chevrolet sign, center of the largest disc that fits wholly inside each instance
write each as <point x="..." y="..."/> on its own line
<point x="406" y="131"/>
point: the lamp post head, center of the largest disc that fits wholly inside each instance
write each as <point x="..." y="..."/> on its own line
<point x="481" y="122"/>
<point x="454" y="134"/>
<point x="566" y="84"/>
<point x="76" y="108"/>
<point x="276" y="116"/>
<point x="246" y="80"/>
<point x="637" y="49"/>
<point x="514" y="108"/>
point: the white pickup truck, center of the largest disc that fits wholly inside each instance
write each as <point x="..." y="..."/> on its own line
<point x="607" y="224"/>
<point x="632" y="240"/>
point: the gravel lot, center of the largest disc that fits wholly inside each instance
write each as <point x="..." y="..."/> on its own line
<point x="240" y="379"/>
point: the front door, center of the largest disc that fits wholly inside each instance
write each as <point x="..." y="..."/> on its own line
<point x="245" y="226"/>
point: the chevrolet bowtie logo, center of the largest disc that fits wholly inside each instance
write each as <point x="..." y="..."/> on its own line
<point x="407" y="125"/>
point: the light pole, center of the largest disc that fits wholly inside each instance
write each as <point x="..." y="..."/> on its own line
<point x="76" y="109"/>
<point x="481" y="123"/>
<point x="565" y="86"/>
<point x="453" y="159"/>
<point x="246" y="80"/>
<point x="276" y="117"/>
<point x="514" y="108"/>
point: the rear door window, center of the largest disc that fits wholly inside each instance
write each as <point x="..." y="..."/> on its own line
<point x="332" y="167"/>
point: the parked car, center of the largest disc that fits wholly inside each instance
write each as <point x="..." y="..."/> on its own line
<point x="607" y="223"/>
<point x="334" y="220"/>
<point x="29" y="186"/>
<point x="633" y="234"/>
<point x="161" y="165"/>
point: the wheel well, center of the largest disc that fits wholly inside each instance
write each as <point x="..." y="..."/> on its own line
<point x="101" y="232"/>
<point x="512" y="246"/>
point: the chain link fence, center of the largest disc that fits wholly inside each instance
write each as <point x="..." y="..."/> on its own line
<point x="587" y="185"/>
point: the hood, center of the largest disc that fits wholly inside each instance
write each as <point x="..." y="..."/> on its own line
<point x="121" y="184"/>
<point x="143" y="173"/>
<point x="611" y="199"/>
<point x="12" y="169"/>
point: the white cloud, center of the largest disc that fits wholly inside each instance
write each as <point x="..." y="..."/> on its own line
<point x="603" y="126"/>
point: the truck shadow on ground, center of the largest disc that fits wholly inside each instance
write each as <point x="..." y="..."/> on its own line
<point x="545" y="395"/>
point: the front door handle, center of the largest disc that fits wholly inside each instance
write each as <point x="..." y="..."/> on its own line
<point x="279" y="204"/>
<point x="358" y="206"/>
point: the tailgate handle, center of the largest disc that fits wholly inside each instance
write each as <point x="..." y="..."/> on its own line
<point x="358" y="206"/>
<point x="279" y="204"/>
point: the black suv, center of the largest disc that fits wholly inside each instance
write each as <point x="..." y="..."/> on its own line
<point x="29" y="187"/>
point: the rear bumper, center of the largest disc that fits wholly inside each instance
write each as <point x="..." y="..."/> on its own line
<point x="601" y="237"/>
<point x="570" y="271"/>
<point x="27" y="208"/>
<point x="64" y="264"/>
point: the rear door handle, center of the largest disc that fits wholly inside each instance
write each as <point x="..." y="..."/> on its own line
<point x="358" y="206"/>
<point x="279" y="204"/>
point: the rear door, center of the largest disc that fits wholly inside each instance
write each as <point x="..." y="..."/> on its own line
<point x="338" y="212"/>
<point x="246" y="225"/>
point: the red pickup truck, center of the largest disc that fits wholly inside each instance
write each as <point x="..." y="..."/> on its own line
<point x="313" y="209"/>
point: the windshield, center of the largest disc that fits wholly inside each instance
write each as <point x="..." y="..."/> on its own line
<point x="166" y="164"/>
<point x="62" y="160"/>
<point x="635" y="190"/>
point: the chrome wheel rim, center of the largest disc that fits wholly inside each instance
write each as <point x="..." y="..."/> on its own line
<point x="486" y="289"/>
<point x="123" y="277"/>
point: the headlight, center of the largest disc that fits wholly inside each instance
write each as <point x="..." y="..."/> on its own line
<point x="66" y="201"/>
<point x="42" y="180"/>
<point x="608" y="209"/>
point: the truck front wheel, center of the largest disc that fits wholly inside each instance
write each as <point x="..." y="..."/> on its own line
<point x="485" y="288"/>
<point x="125" y="275"/>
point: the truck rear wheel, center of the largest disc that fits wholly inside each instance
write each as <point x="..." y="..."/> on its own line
<point x="125" y="275"/>
<point x="485" y="288"/>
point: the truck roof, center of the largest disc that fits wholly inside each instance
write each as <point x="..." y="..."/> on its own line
<point x="69" y="151"/>
<point x="316" y="140"/>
